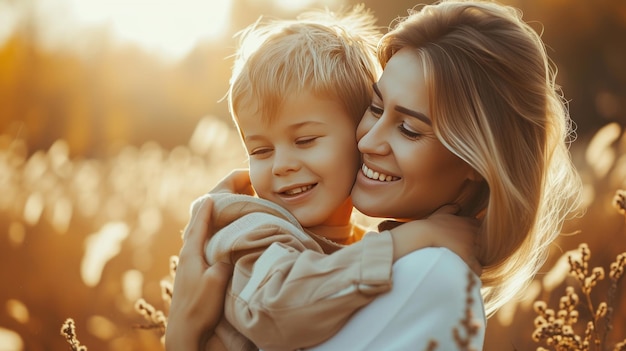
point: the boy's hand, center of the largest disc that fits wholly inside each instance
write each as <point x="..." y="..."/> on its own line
<point x="236" y="182"/>
<point x="441" y="229"/>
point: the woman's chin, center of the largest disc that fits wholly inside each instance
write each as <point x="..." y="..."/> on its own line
<point x="373" y="208"/>
<point x="367" y="205"/>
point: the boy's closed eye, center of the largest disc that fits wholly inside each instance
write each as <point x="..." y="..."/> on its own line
<point x="260" y="152"/>
<point x="306" y="140"/>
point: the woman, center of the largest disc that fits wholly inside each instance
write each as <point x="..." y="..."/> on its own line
<point x="464" y="80"/>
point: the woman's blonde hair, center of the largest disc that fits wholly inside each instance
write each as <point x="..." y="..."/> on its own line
<point x="329" y="54"/>
<point x="495" y="104"/>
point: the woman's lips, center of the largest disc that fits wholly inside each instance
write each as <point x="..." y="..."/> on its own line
<point x="375" y="175"/>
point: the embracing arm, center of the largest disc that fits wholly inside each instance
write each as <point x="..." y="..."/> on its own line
<point x="192" y="316"/>
<point x="441" y="229"/>
<point x="282" y="277"/>
<point x="285" y="295"/>
<point x="297" y="296"/>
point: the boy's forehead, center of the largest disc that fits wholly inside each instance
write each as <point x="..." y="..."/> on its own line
<point x="295" y="111"/>
<point x="272" y="108"/>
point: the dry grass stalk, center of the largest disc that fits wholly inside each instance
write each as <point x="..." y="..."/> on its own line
<point x="157" y="319"/>
<point x="557" y="328"/>
<point x="619" y="201"/>
<point x="68" y="330"/>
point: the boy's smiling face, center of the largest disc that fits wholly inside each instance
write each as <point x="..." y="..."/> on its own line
<point x="305" y="159"/>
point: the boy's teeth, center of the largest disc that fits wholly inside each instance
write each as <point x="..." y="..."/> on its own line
<point x="298" y="190"/>
<point x="377" y="176"/>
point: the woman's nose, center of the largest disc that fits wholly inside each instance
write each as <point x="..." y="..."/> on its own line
<point x="373" y="137"/>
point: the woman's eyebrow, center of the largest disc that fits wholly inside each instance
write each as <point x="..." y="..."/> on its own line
<point x="422" y="117"/>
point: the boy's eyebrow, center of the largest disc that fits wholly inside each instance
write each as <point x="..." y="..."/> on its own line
<point x="305" y="123"/>
<point x="294" y="126"/>
<point x="422" y="117"/>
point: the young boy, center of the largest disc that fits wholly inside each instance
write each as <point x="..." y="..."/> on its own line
<point x="297" y="97"/>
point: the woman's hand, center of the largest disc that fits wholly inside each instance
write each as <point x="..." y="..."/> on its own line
<point x="199" y="290"/>
<point x="236" y="182"/>
<point x="441" y="229"/>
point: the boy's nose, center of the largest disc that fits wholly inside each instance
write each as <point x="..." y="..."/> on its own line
<point x="285" y="162"/>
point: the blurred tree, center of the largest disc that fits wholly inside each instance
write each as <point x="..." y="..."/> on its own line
<point x="115" y="94"/>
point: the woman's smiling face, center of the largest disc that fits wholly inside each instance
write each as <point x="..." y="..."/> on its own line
<point x="407" y="172"/>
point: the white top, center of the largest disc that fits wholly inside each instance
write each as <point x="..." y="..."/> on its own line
<point x="427" y="301"/>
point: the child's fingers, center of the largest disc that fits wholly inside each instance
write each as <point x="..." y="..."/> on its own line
<point x="195" y="233"/>
<point x="196" y="204"/>
<point x="237" y="182"/>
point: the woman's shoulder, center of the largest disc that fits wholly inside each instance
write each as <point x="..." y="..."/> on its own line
<point x="428" y="300"/>
<point x="437" y="276"/>
<point x="438" y="264"/>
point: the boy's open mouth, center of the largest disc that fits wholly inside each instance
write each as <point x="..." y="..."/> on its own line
<point x="298" y="190"/>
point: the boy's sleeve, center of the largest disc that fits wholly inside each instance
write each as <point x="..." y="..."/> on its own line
<point x="296" y="299"/>
<point x="285" y="292"/>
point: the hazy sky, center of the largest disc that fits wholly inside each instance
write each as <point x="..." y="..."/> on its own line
<point x="168" y="27"/>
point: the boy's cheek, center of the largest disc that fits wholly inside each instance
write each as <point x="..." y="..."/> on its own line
<point x="260" y="178"/>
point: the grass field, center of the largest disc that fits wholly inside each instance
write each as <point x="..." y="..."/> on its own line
<point x="86" y="238"/>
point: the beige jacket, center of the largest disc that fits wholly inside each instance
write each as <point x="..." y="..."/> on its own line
<point x="290" y="288"/>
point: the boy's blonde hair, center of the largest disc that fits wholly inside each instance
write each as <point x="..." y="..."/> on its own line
<point x="330" y="55"/>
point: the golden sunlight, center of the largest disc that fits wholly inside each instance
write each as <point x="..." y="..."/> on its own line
<point x="299" y="5"/>
<point x="10" y="340"/>
<point x="293" y="4"/>
<point x="170" y="28"/>
<point x="17" y="233"/>
<point x="17" y="310"/>
<point x="8" y="20"/>
<point x="100" y="247"/>
<point x="101" y="327"/>
<point x="599" y="155"/>
<point x="132" y="283"/>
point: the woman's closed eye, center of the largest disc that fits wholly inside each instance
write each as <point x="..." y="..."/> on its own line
<point x="408" y="132"/>
<point x="376" y="111"/>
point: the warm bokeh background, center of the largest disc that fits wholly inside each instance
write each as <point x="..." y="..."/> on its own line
<point x="111" y="124"/>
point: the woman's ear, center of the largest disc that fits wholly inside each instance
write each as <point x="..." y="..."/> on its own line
<point x="475" y="176"/>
